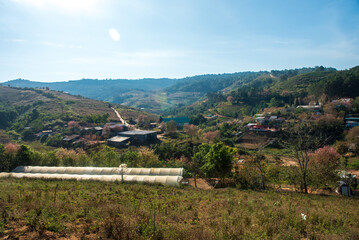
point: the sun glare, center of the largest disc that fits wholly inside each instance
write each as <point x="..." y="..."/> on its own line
<point x="114" y="34"/>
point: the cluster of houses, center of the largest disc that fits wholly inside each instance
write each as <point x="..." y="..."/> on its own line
<point x="272" y="123"/>
<point x="266" y="123"/>
<point x="117" y="135"/>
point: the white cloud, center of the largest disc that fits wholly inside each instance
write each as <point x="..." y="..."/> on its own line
<point x="114" y="34"/>
<point x="67" y="6"/>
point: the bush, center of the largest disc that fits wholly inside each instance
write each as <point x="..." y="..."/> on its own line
<point x="354" y="164"/>
<point x="342" y="148"/>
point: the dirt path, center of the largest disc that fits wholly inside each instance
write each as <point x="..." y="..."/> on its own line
<point x="119" y="116"/>
<point x="288" y="161"/>
<point x="201" y="183"/>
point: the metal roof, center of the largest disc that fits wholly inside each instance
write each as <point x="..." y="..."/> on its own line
<point x="118" y="139"/>
<point x="137" y="132"/>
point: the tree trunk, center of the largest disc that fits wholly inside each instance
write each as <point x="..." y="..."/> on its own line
<point x="305" y="183"/>
<point x="195" y="180"/>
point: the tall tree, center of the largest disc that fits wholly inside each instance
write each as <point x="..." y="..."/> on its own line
<point x="191" y="130"/>
<point x="218" y="161"/>
<point x="303" y="139"/>
<point x="171" y="127"/>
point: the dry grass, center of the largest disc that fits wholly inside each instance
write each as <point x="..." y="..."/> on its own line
<point x="91" y="210"/>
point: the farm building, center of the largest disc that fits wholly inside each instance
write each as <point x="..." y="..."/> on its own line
<point x="140" y="136"/>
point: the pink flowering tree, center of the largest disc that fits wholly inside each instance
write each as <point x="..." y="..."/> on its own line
<point x="324" y="165"/>
<point x="230" y="99"/>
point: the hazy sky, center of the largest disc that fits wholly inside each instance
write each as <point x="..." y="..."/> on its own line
<point x="54" y="40"/>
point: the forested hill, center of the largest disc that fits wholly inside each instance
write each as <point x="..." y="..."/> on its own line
<point x="278" y="89"/>
<point x="214" y="82"/>
<point x="157" y="95"/>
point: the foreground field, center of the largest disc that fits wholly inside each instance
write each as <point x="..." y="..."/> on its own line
<point x="33" y="209"/>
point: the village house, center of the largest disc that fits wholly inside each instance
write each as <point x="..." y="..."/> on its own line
<point x="44" y="133"/>
<point x="71" y="138"/>
<point x="263" y="128"/>
<point x="267" y="120"/>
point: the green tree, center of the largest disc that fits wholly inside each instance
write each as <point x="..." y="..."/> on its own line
<point x="143" y="121"/>
<point x="355" y="105"/>
<point x="198" y="160"/>
<point x="218" y="161"/>
<point x="28" y="134"/>
<point x="353" y="138"/>
<point x="34" y="114"/>
<point x="273" y="102"/>
<point x="55" y="140"/>
<point x="23" y="157"/>
<point x="171" y="127"/>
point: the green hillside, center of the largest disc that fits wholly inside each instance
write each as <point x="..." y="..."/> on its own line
<point x="161" y="95"/>
<point x="278" y="89"/>
<point x="39" y="109"/>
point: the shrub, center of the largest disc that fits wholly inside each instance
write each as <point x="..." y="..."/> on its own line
<point x="354" y="164"/>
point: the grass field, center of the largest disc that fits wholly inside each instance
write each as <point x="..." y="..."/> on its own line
<point x="33" y="209"/>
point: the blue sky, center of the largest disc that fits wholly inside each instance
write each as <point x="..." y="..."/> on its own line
<point x="59" y="40"/>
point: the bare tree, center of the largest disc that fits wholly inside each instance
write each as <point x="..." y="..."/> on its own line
<point x="191" y="130"/>
<point x="303" y="139"/>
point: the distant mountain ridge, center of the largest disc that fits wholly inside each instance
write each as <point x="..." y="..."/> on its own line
<point x="86" y="87"/>
<point x="157" y="95"/>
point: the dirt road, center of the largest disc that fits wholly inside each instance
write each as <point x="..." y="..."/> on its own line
<point x="119" y="116"/>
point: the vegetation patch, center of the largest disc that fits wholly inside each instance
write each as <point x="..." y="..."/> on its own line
<point x="113" y="210"/>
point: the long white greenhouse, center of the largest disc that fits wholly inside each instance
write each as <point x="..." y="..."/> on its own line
<point x="165" y="176"/>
